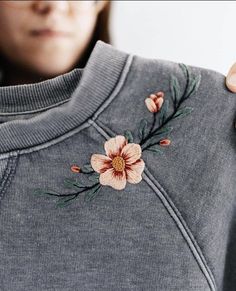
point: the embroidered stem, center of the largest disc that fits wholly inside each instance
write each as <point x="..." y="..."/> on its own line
<point x="165" y="122"/>
<point x="184" y="96"/>
<point x="153" y="123"/>
<point x="150" y="145"/>
<point x="70" y="194"/>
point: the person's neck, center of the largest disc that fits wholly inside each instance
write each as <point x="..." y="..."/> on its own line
<point x="16" y="75"/>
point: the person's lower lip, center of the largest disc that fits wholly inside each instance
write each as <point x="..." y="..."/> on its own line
<point x="48" y="33"/>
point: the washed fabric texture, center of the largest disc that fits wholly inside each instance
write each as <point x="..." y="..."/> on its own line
<point x="119" y="176"/>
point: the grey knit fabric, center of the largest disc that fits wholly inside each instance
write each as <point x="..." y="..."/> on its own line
<point x="173" y="230"/>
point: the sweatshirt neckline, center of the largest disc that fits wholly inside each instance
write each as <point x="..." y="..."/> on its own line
<point x="67" y="101"/>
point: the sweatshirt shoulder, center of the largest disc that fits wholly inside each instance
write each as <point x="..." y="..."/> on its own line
<point x="185" y="87"/>
<point x="163" y="69"/>
<point x="151" y="68"/>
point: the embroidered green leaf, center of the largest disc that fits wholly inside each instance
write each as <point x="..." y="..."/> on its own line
<point x="43" y="192"/>
<point x="91" y="194"/>
<point x="193" y="86"/>
<point x="155" y="139"/>
<point x="164" y="111"/>
<point x="128" y="135"/>
<point x="175" y="90"/>
<point x="155" y="149"/>
<point x="183" y="112"/>
<point x="157" y="135"/>
<point x="64" y="201"/>
<point x="184" y="69"/>
<point x="164" y="129"/>
<point x="38" y="192"/>
<point x="94" y="178"/>
<point x="87" y="168"/>
<point x="72" y="183"/>
<point x="192" y="83"/>
<point x="143" y="128"/>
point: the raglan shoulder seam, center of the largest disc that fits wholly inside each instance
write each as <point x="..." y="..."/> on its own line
<point x="8" y="173"/>
<point x="182" y="225"/>
<point x="107" y="133"/>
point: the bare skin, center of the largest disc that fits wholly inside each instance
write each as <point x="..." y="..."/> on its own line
<point x="31" y="55"/>
<point x="231" y="78"/>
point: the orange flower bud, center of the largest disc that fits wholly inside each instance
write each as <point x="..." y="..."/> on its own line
<point x="164" y="142"/>
<point x="75" y="169"/>
<point x="154" y="101"/>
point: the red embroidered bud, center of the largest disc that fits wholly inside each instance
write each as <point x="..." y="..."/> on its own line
<point x="154" y="101"/>
<point x="164" y="142"/>
<point x="75" y="169"/>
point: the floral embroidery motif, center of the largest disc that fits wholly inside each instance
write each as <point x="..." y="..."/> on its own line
<point x="122" y="161"/>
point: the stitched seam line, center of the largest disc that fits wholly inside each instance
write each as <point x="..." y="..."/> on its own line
<point x="187" y="234"/>
<point x="118" y="87"/>
<point x="47" y="144"/>
<point x="172" y="210"/>
<point x="9" y="172"/>
<point x="53" y="141"/>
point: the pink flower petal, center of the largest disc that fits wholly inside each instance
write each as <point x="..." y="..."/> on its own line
<point x="134" y="172"/>
<point x="159" y="103"/>
<point x="114" y="145"/>
<point x="131" y="153"/>
<point x="150" y="104"/>
<point x="116" y="180"/>
<point x="100" y="163"/>
<point x="160" y="94"/>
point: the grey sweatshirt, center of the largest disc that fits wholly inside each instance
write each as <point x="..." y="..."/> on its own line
<point x="119" y="176"/>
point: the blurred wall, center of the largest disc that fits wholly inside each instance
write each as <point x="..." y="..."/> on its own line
<point x="200" y="33"/>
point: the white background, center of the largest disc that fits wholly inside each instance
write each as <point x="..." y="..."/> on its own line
<point x="200" y="33"/>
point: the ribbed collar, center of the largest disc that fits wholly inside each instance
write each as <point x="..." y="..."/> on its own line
<point x="68" y="100"/>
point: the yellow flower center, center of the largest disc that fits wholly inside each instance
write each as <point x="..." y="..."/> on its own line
<point x="118" y="163"/>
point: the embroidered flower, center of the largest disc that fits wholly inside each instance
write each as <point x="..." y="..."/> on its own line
<point x="121" y="163"/>
<point x="155" y="101"/>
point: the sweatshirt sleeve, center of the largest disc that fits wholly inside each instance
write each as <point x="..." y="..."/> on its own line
<point x="191" y="153"/>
